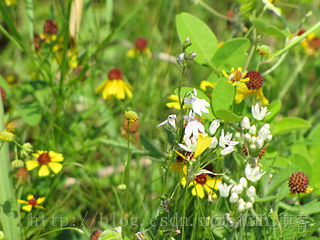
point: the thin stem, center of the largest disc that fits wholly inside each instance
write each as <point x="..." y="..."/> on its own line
<point x="215" y="12"/>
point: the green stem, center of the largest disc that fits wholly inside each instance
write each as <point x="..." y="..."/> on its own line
<point x="215" y="12"/>
<point x="9" y="214"/>
<point x="61" y="229"/>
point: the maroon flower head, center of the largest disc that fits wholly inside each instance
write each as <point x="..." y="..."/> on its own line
<point x="255" y="80"/>
<point x="115" y="73"/>
<point x="141" y="43"/>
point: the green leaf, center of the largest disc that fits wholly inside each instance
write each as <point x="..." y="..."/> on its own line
<point x="302" y="163"/>
<point x="227" y="115"/>
<point x="223" y="95"/>
<point x="290" y="124"/>
<point x="232" y="54"/>
<point x="204" y="42"/>
<point x="274" y="110"/>
<point x="264" y="27"/>
<point x="307" y="209"/>
<point x="30" y="112"/>
<point x="153" y="151"/>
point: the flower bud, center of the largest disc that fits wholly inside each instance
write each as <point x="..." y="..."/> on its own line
<point x="214" y="126"/>
<point x="245" y="123"/>
<point x="17" y="163"/>
<point x="259" y="143"/>
<point x="269" y="138"/>
<point x="241" y="206"/>
<point x="253" y="147"/>
<point x="234" y="197"/>
<point x="264" y="50"/>
<point x="26" y="149"/>
<point x="180" y="59"/>
<point x="131" y="116"/>
<point x="249" y="205"/>
<point x="122" y="187"/>
<point x="251" y="192"/>
<point x="187" y="43"/>
<point x="243" y="182"/>
<point x="193" y="55"/>
<point x="253" y="130"/>
<point x="247" y="137"/>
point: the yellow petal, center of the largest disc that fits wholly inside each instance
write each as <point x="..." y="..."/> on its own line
<point x="56" y="157"/>
<point x="27" y="208"/>
<point x="43" y="171"/>
<point x="131" y="53"/>
<point x="101" y="86"/>
<point x="175" y="105"/>
<point x="262" y="97"/>
<point x="30" y="196"/>
<point x="204" y="84"/>
<point x="147" y="51"/>
<point x="31" y="164"/>
<point x="22" y="201"/>
<point x="40" y="207"/>
<point x="40" y="200"/>
<point x="198" y="191"/>
<point x="55" y="167"/>
<point x="202" y="144"/>
<point x="183" y="181"/>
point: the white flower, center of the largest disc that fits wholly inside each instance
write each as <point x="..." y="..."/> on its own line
<point x="253" y="147"/>
<point x="245" y="123"/>
<point x="253" y="174"/>
<point x="227" y="150"/>
<point x="241" y="205"/>
<point x="264" y="131"/>
<point x="224" y="189"/>
<point x="243" y="182"/>
<point x="199" y="106"/>
<point x="253" y="130"/>
<point x="171" y="120"/>
<point x="214" y="142"/>
<point x="214" y="126"/>
<point x="269" y="138"/>
<point x="247" y="137"/>
<point x="252" y="199"/>
<point x="248" y="205"/>
<point x="238" y="189"/>
<point x="193" y="128"/>
<point x="190" y="144"/>
<point x="251" y="192"/>
<point x="259" y="143"/>
<point x="234" y="197"/>
<point x="259" y="112"/>
<point x="225" y="140"/>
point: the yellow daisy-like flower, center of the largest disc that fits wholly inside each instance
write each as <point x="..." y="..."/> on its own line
<point x="236" y="76"/>
<point x="203" y="183"/>
<point x="251" y="88"/>
<point x="204" y="84"/>
<point x="140" y="48"/>
<point x="32" y="202"/>
<point x="174" y="102"/>
<point x="45" y="160"/>
<point x="115" y="86"/>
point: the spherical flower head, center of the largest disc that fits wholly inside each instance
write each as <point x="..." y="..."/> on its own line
<point x="32" y="202"/>
<point x="255" y="80"/>
<point x="6" y="136"/>
<point x="50" y="27"/>
<point x="22" y="175"/>
<point x="115" y="74"/>
<point x="141" y="43"/>
<point x="298" y="183"/>
<point x="131" y="116"/>
<point x="46" y="160"/>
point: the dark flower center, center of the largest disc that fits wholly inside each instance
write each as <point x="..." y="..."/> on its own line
<point x="255" y="80"/>
<point x="236" y="76"/>
<point x="44" y="159"/>
<point x="32" y="202"/>
<point x="201" y="179"/>
<point x="115" y="74"/>
<point x="141" y="43"/>
<point x="50" y="27"/>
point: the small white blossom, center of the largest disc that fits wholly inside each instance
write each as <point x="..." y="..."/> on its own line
<point x="227" y="150"/>
<point x="199" y="106"/>
<point x="245" y="123"/>
<point x="193" y="128"/>
<point x="243" y="182"/>
<point x="224" y="189"/>
<point x="171" y="120"/>
<point x="247" y="137"/>
<point x="264" y="131"/>
<point x="238" y="189"/>
<point x="259" y="143"/>
<point x="234" y="197"/>
<point x="254" y="139"/>
<point x="253" y="174"/>
<point x="214" y="126"/>
<point x="214" y="143"/>
<point x="259" y="112"/>
<point x="253" y="147"/>
<point x="252" y="199"/>
<point x="253" y="130"/>
<point x="241" y="205"/>
<point x="269" y="138"/>
<point x="190" y="144"/>
<point x="249" y="205"/>
<point x="225" y="140"/>
<point x="251" y="192"/>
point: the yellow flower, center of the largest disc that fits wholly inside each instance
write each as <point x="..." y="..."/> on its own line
<point x="45" y="160"/>
<point x="235" y="76"/>
<point x="32" y="202"/>
<point x="204" y="183"/>
<point x="311" y="44"/>
<point x="6" y="136"/>
<point x="140" y="48"/>
<point x="251" y="88"/>
<point x="10" y="2"/>
<point x="115" y="86"/>
<point x="202" y="144"/>
<point x="175" y="102"/>
<point x="204" y="84"/>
